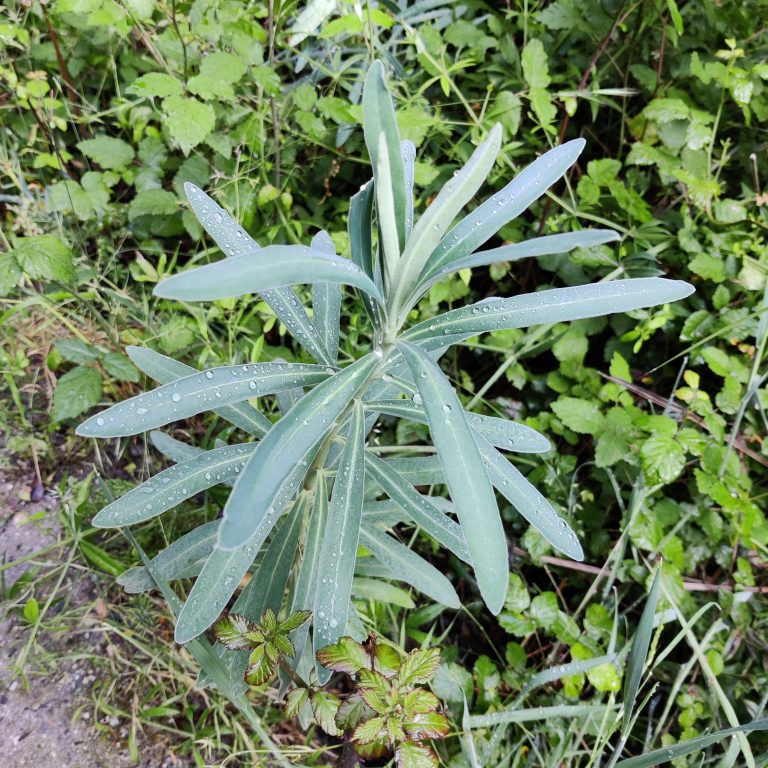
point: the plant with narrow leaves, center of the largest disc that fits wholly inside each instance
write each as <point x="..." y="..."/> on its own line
<point x="387" y="711"/>
<point x="312" y="482"/>
<point x="267" y="640"/>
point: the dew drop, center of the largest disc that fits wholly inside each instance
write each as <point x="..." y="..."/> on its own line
<point x="446" y="408"/>
<point x="209" y="374"/>
<point x="176" y="397"/>
<point x="100" y="422"/>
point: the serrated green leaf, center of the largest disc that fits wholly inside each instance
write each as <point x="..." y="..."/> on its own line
<point x="487" y="219"/>
<point x="326" y="302"/>
<point x="412" y="755"/>
<point x="44" y="257"/>
<point x="271" y="267"/>
<point x="436" y="220"/>
<point x="170" y="487"/>
<point x="235" y="241"/>
<point x="296" y="700"/>
<point x="427" y="725"/>
<point x="153" y="202"/>
<point x="156" y="84"/>
<point x="410" y="567"/>
<point x="261" y="665"/>
<point x="344" y="655"/>
<point x="174" y="561"/>
<point x="418" y="666"/>
<point x="10" y="273"/>
<point x="188" y="121"/>
<point x="503" y="433"/>
<point x="76" y="391"/>
<point x="580" y="415"/>
<point x="471" y="491"/>
<point x="166" y="370"/>
<point x="197" y="393"/>
<point x="107" y="151"/>
<point x="324" y="706"/>
<point x="294" y="620"/>
<point x="544" y="307"/>
<point x="336" y="567"/>
<point x="417" y="507"/>
<point x="284" y="447"/>
<point x="233" y="632"/>
<point x="378" y="119"/>
<point x="119" y="367"/>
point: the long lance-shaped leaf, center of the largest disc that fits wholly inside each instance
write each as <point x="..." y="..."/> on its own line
<point x="385" y="211"/>
<point x="270" y="267"/>
<point x="170" y="487"/>
<point x="174" y="561"/>
<point x="417" y="507"/>
<point x="217" y="582"/>
<point x="326" y="302"/>
<point x="465" y="473"/>
<point x="339" y="551"/>
<point x="538" y="246"/>
<point x="385" y="513"/>
<point x="378" y="119"/>
<point x="419" y="470"/>
<point x="639" y="652"/>
<point x="435" y="221"/>
<point x="173" y="449"/>
<point x="268" y="581"/>
<point x="202" y="391"/>
<point x="306" y="581"/>
<point x="502" y="433"/>
<point x="673" y="751"/>
<point x="166" y="370"/>
<point x="524" y="497"/>
<point x="360" y="225"/>
<point x="235" y="241"/>
<point x="410" y="567"/>
<point x="408" y="151"/>
<point x="284" y="447"/>
<point x="487" y="219"/>
<point x="552" y="306"/>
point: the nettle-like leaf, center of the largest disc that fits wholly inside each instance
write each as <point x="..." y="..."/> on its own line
<point x="314" y="468"/>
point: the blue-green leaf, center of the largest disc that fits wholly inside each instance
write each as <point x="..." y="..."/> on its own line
<point x="487" y="219"/>
<point x="268" y="268"/>
<point x="552" y="306"/>
<point x="471" y="490"/>
<point x="166" y="370"/>
<point x="326" y="302"/>
<point x="410" y="567"/>
<point x="336" y="567"/>
<point x="170" y="487"/>
<point x="197" y="393"/>
<point x="284" y="448"/>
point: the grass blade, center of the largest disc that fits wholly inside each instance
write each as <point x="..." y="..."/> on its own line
<point x="667" y="754"/>
<point x="284" y="448"/>
<point x="569" y="711"/>
<point x="336" y="567"/>
<point x="465" y="473"/>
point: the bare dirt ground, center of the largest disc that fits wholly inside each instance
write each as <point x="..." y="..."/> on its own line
<point x="46" y="719"/>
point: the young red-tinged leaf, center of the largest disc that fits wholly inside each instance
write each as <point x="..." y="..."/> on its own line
<point x="419" y="666"/>
<point x="284" y="645"/>
<point x="294" y="621"/>
<point x="325" y="706"/>
<point x="419" y="700"/>
<point x="268" y="620"/>
<point x="427" y="725"/>
<point x="295" y="701"/>
<point x="352" y="713"/>
<point x="372" y="730"/>
<point x="395" y="731"/>
<point x="386" y="660"/>
<point x="345" y="655"/>
<point x="260" y="667"/>
<point x="235" y="632"/>
<point x="410" y="755"/>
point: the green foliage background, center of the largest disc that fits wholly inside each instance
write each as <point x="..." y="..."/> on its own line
<point x="108" y="108"/>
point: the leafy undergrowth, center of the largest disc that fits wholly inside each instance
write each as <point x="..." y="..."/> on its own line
<point x="657" y="415"/>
